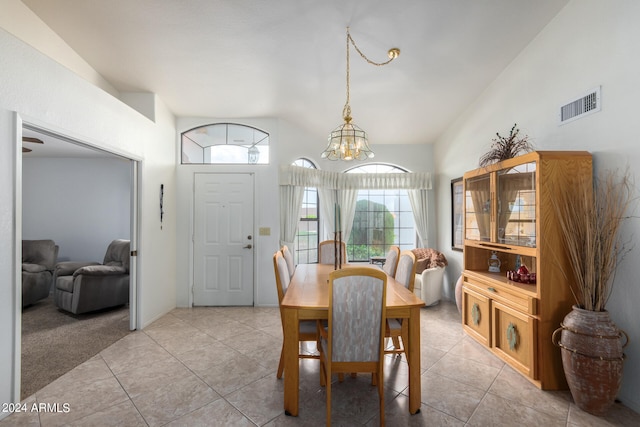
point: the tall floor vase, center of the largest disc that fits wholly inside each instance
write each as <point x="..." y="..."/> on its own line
<point x="592" y="358"/>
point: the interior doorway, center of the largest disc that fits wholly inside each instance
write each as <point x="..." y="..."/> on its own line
<point x="73" y="165"/>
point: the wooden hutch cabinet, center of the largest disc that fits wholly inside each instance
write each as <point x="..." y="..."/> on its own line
<point x="509" y="212"/>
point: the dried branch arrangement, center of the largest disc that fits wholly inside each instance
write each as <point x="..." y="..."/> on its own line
<point x="506" y="147"/>
<point x="592" y="239"/>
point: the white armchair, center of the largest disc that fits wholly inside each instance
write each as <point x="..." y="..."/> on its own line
<point x="430" y="267"/>
<point x="428" y="285"/>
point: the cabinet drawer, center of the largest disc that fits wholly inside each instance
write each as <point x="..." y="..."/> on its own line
<point x="476" y="315"/>
<point x="514" y="299"/>
<point x="514" y="338"/>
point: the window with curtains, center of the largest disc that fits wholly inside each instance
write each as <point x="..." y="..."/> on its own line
<point x="382" y="218"/>
<point x="306" y="243"/>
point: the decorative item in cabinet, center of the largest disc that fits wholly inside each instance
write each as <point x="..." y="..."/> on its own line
<point x="508" y="208"/>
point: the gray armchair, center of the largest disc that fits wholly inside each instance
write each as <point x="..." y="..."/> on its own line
<point x="82" y="287"/>
<point x="38" y="261"/>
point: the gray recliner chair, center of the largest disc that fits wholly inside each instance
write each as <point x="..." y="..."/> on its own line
<point x="38" y="262"/>
<point x="81" y="287"/>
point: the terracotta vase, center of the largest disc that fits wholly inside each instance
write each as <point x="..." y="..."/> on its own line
<point x="592" y="358"/>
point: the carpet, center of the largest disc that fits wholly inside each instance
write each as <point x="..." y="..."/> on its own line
<point x="55" y="341"/>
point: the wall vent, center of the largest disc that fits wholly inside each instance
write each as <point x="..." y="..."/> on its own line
<point x="583" y="106"/>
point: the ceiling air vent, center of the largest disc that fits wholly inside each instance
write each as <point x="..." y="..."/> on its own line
<point x="583" y="106"/>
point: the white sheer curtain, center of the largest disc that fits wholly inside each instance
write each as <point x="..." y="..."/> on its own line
<point x="328" y="200"/>
<point x="347" y="200"/>
<point x="419" y="200"/>
<point x="342" y="188"/>
<point x="290" y="205"/>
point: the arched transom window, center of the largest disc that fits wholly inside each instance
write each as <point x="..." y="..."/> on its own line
<point x="225" y="143"/>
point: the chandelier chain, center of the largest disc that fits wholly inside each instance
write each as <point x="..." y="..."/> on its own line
<point x="348" y="142"/>
<point x="377" y="64"/>
<point x="393" y="54"/>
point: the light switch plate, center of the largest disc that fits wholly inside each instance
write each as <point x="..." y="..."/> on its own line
<point x="265" y="231"/>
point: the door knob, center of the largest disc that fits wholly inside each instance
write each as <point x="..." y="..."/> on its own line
<point x="247" y="247"/>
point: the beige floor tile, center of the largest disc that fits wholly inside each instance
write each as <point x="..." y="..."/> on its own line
<point x="261" y="400"/>
<point x="512" y="386"/>
<point x="218" y="412"/>
<point x="618" y="415"/>
<point x="472" y="350"/>
<point x="217" y="366"/>
<point x="171" y="401"/>
<point x="206" y="356"/>
<point x="224" y="329"/>
<point x="466" y="371"/>
<point x="22" y="415"/>
<point x="125" y="359"/>
<point x="183" y="340"/>
<point x="141" y="380"/>
<point x="397" y="415"/>
<point x="82" y="401"/>
<point x="122" y="414"/>
<point x="496" y="411"/>
<point x="450" y="396"/>
<point x="252" y="341"/>
<point x="429" y="356"/>
<point x="230" y="376"/>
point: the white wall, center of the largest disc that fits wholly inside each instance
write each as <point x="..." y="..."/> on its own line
<point x="590" y="43"/>
<point x="287" y="143"/>
<point x="19" y="20"/>
<point x="82" y="204"/>
<point x="48" y="95"/>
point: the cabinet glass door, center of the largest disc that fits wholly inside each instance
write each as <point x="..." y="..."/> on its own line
<point x="516" y="190"/>
<point x="478" y="208"/>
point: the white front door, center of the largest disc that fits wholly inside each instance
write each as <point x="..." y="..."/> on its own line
<point x="223" y="239"/>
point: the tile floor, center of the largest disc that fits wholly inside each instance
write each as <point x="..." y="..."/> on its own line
<point x="217" y="367"/>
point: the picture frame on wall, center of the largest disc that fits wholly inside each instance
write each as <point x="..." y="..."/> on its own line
<point x="457" y="218"/>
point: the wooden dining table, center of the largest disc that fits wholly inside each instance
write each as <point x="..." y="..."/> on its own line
<point x="307" y="297"/>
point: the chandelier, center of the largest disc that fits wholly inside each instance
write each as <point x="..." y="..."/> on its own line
<point x="347" y="141"/>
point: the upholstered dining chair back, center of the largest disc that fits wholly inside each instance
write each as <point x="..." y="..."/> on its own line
<point x="307" y="329"/>
<point x="327" y="252"/>
<point x="288" y="257"/>
<point x="406" y="271"/>
<point x="282" y="274"/>
<point x="353" y="341"/>
<point x="391" y="262"/>
<point x="356" y="313"/>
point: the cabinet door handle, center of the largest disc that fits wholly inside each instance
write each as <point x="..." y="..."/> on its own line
<point x="491" y="289"/>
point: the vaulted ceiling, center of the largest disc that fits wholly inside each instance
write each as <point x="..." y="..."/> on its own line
<point x="235" y="59"/>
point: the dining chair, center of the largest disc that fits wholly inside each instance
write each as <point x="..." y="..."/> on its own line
<point x="288" y="257"/>
<point x="307" y="330"/>
<point x="406" y="275"/>
<point x="391" y="262"/>
<point x="327" y="252"/>
<point x="353" y="340"/>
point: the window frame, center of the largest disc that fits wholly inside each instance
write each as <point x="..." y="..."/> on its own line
<point x="202" y="141"/>
<point x="400" y="213"/>
<point x="304" y="162"/>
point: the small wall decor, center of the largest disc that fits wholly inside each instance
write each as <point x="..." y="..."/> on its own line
<point x="506" y="147"/>
<point x="161" y="204"/>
